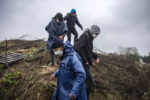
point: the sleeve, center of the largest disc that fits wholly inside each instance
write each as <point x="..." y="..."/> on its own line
<point x="56" y="73"/>
<point x="66" y="17"/>
<point x="80" y="76"/>
<point x="49" y="29"/>
<point x="65" y="29"/>
<point x="95" y="56"/>
<point x="84" y="57"/>
<point x="78" y="23"/>
<point x="89" y="53"/>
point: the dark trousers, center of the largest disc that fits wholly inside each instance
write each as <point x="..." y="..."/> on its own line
<point x="89" y="79"/>
<point x="74" y="32"/>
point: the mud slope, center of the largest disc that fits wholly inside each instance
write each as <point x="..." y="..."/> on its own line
<point x="116" y="78"/>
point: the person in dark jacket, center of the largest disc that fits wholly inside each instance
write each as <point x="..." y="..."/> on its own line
<point x="84" y="47"/>
<point x="56" y="29"/>
<point x="72" y="19"/>
<point x="70" y="75"/>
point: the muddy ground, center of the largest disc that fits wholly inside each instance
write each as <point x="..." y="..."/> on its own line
<point x="116" y="78"/>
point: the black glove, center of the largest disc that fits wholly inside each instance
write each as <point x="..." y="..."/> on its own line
<point x="82" y="28"/>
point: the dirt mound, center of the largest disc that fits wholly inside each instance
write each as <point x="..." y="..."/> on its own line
<point x="116" y="78"/>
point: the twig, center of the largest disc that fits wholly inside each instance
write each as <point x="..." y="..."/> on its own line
<point x="98" y="50"/>
<point x="22" y="36"/>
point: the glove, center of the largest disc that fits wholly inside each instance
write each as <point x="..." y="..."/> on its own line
<point x="82" y="28"/>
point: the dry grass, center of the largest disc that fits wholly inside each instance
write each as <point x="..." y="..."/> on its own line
<point x="116" y="78"/>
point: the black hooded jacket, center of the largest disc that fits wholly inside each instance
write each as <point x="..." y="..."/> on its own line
<point x="71" y="21"/>
<point x="84" y="47"/>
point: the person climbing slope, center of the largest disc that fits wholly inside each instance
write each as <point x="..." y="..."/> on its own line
<point x="72" y="19"/>
<point x="70" y="75"/>
<point x="84" y="47"/>
<point x="56" y="29"/>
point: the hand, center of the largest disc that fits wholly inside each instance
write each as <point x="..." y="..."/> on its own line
<point x="87" y="62"/>
<point x="97" y="60"/>
<point x="71" y="96"/>
<point x="61" y="37"/>
<point x="52" y="77"/>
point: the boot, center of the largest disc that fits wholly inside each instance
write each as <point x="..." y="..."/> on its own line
<point x="56" y="63"/>
<point x="52" y="59"/>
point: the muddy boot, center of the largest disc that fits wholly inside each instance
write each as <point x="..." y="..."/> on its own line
<point x="52" y="59"/>
<point x="56" y="63"/>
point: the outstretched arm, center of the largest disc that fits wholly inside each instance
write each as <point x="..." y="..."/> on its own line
<point x="78" y="23"/>
<point x="53" y="76"/>
<point x="66" y="17"/>
<point x="56" y="73"/>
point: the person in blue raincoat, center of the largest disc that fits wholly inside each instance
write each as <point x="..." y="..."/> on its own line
<point x="70" y="75"/>
<point x="56" y="29"/>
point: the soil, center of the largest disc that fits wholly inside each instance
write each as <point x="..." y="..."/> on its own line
<point x="116" y="78"/>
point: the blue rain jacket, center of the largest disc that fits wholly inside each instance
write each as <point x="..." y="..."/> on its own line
<point x="70" y="76"/>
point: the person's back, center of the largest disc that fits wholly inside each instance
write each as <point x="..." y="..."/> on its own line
<point x="84" y="46"/>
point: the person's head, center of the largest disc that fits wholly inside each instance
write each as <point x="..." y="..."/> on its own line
<point x="73" y="12"/>
<point x="58" y="17"/>
<point x="95" y="31"/>
<point x="58" y="47"/>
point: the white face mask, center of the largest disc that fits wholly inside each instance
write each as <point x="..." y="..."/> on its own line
<point x="59" y="53"/>
<point x="94" y="36"/>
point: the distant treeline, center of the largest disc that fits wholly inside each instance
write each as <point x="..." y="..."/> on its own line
<point x="132" y="54"/>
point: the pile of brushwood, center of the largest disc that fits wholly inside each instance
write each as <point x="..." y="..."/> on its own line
<point x="116" y="77"/>
<point x="122" y="78"/>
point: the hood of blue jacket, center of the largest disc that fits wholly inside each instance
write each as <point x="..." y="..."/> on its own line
<point x="68" y="50"/>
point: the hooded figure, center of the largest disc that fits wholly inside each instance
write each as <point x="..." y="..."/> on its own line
<point x="56" y="29"/>
<point x="84" y="47"/>
<point x="70" y="75"/>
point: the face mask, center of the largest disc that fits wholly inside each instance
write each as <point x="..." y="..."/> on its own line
<point x="94" y="36"/>
<point x="58" y="21"/>
<point x="59" y="53"/>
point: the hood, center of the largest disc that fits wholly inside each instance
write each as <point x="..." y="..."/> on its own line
<point x="88" y="31"/>
<point x="54" y="21"/>
<point x="68" y="50"/>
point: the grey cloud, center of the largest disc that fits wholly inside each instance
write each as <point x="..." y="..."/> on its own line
<point x="123" y="22"/>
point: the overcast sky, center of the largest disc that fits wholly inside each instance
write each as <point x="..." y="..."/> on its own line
<point x="123" y="23"/>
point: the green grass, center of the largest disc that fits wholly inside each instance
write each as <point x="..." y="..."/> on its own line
<point x="1" y="67"/>
<point x="11" y="79"/>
